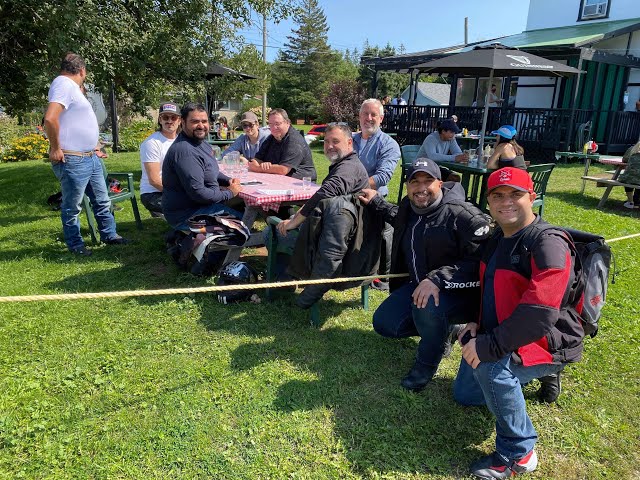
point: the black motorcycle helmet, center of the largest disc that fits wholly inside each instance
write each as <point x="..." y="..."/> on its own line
<point x="236" y="273"/>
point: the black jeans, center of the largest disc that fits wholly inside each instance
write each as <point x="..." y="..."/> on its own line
<point x="398" y="317"/>
<point x="152" y="201"/>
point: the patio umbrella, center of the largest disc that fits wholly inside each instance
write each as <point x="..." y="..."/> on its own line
<point x="497" y="59"/>
<point x="216" y="70"/>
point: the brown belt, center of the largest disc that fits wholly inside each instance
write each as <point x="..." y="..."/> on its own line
<point x="78" y="154"/>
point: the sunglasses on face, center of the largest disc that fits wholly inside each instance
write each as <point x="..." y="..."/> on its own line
<point x="246" y="126"/>
<point x="169" y="118"/>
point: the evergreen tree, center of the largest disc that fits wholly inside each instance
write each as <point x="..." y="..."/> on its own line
<point x="389" y="83"/>
<point x="306" y="66"/>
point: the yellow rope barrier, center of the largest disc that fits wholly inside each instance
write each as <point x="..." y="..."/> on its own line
<point x="179" y="291"/>
<point x="623" y="238"/>
<point x="212" y="288"/>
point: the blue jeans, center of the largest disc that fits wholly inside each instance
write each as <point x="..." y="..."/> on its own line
<point x="212" y="209"/>
<point x="498" y="385"/>
<point x="398" y="317"/>
<point x="79" y="175"/>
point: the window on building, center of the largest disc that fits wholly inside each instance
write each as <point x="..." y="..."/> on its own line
<point x="592" y="9"/>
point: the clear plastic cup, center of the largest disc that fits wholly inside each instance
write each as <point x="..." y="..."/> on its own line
<point x="217" y="153"/>
<point x="306" y="183"/>
<point x="232" y="160"/>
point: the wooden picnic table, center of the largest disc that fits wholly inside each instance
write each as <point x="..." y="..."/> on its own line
<point x="273" y="192"/>
<point x="609" y="183"/>
<point x="220" y="142"/>
<point x="587" y="157"/>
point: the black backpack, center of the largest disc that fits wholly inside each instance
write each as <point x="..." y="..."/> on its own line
<point x="202" y="251"/>
<point x="591" y="268"/>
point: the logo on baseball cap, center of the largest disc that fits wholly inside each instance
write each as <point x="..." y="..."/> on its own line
<point x="427" y="166"/>
<point x="510" y="177"/>
<point x="169" y="108"/>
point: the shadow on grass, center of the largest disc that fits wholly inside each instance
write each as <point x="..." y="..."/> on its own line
<point x="590" y="201"/>
<point x="382" y="427"/>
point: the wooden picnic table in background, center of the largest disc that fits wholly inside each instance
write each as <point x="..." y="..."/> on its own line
<point x="474" y="177"/>
<point x="609" y="183"/>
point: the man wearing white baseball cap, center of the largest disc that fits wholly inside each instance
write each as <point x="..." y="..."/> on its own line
<point x="152" y="153"/>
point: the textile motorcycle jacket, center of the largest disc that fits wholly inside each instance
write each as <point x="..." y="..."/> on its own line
<point x="532" y="285"/>
<point x="340" y="239"/>
<point x="452" y="235"/>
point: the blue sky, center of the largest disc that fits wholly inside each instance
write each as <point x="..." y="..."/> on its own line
<point x="417" y="24"/>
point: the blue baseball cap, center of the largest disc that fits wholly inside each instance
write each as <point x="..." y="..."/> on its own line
<point x="506" y="131"/>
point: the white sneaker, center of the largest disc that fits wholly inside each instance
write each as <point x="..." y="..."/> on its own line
<point x="630" y="205"/>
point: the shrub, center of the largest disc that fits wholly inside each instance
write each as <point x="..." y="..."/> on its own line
<point x="134" y="134"/>
<point x="11" y="131"/>
<point x="29" y="147"/>
<point x="258" y="112"/>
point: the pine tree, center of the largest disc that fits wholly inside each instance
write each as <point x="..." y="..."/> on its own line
<point x="305" y="66"/>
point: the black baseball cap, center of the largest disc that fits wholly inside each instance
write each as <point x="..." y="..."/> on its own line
<point x="450" y="125"/>
<point x="427" y="166"/>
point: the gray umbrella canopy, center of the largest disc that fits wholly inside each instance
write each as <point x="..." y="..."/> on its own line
<point x="502" y="60"/>
<point x="215" y="70"/>
<point x="496" y="59"/>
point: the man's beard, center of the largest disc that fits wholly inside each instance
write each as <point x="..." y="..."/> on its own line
<point x="334" y="157"/>
<point x="370" y="130"/>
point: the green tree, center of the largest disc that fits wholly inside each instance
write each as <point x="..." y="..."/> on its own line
<point x="306" y="65"/>
<point x="143" y="46"/>
<point x="389" y="83"/>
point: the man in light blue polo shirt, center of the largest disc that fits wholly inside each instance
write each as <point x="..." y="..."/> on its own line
<point x="380" y="154"/>
<point x="441" y="145"/>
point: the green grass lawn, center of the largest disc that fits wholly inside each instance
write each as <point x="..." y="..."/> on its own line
<point x="184" y="387"/>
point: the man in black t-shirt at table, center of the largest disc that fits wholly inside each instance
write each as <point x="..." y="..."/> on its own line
<point x="285" y="152"/>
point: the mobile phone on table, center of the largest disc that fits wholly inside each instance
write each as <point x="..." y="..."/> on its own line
<point x="251" y="182"/>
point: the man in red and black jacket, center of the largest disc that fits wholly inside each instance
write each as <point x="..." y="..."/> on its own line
<point x="526" y="328"/>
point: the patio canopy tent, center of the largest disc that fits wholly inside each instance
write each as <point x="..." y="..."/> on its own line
<point x="216" y="70"/>
<point x="496" y="59"/>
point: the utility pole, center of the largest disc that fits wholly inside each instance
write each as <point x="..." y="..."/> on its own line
<point x="264" y="58"/>
<point x="466" y="30"/>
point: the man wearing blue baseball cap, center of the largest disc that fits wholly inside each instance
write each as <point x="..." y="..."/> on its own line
<point x="506" y="151"/>
<point x="441" y="145"/>
<point x="436" y="240"/>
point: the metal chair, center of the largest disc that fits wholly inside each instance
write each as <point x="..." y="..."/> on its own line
<point x="127" y="193"/>
<point x="409" y="155"/>
<point x="540" y="175"/>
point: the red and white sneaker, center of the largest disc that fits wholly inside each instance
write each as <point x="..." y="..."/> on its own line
<point x="496" y="466"/>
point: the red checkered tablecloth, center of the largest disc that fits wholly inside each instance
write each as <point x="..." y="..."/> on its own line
<point x="611" y="160"/>
<point x="255" y="196"/>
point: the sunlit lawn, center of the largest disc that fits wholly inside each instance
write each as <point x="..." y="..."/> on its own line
<point x="184" y="387"/>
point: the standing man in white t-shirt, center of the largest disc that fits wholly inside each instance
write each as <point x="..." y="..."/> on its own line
<point x="152" y="152"/>
<point x="72" y="128"/>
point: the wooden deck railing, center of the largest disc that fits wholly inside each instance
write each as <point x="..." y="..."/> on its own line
<point x="540" y="130"/>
